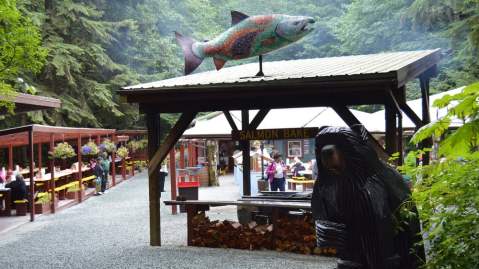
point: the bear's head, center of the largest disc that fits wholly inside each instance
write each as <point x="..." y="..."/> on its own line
<point x="344" y="151"/>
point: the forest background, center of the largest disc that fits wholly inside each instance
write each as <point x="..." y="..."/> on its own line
<point x="83" y="51"/>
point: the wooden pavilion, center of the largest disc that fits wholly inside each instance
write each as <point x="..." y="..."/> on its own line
<point x="31" y="135"/>
<point x="337" y="82"/>
<point x="27" y="102"/>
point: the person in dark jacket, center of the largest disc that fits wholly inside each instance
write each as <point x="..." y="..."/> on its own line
<point x="98" y="172"/>
<point x="105" y="166"/>
<point x="18" y="188"/>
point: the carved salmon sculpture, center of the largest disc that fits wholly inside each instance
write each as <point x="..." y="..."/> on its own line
<point x="247" y="37"/>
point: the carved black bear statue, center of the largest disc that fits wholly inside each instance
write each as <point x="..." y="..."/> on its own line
<point x="356" y="203"/>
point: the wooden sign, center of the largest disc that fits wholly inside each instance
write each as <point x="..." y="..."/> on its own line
<point x="274" y="134"/>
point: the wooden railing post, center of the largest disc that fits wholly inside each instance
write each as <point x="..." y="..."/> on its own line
<point x="80" y="191"/>
<point x="52" y="172"/>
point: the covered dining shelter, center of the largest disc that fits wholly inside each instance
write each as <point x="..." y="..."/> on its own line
<point x="336" y="82"/>
<point x="26" y="102"/>
<point x="39" y="135"/>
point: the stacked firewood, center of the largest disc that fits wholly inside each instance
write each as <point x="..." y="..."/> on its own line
<point x="293" y="234"/>
<point x="296" y="234"/>
<point x="230" y="234"/>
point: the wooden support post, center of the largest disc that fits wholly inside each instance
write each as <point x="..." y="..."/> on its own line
<point x="174" y="208"/>
<point x="258" y="118"/>
<point x="39" y="158"/>
<point x="391" y="128"/>
<point x="52" y="173"/>
<point x="153" y="125"/>
<point x="426" y="118"/>
<point x="182" y="156"/>
<point x="80" y="191"/>
<point x="169" y="142"/>
<point x="190" y="154"/>
<point x="230" y="120"/>
<point x="182" y="161"/>
<point x="32" y="175"/>
<point x="246" y="154"/>
<point x="98" y="140"/>
<point x="10" y="157"/>
<point x="123" y="168"/>
<point x="191" y="212"/>
<point x="394" y="104"/>
<point x="113" y="164"/>
<point x="274" y="221"/>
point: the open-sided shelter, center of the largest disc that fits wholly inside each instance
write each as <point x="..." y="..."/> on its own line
<point x="337" y="82"/>
<point x="27" y="102"/>
<point x="40" y="134"/>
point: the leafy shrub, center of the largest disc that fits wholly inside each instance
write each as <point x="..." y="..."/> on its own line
<point x="108" y="146"/>
<point x="90" y="149"/>
<point x="447" y="192"/>
<point x="62" y="151"/>
<point x="122" y="152"/>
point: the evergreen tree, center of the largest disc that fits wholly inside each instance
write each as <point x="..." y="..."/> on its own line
<point x="20" y="52"/>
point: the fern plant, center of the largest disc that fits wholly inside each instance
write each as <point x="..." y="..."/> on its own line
<point x="447" y="192"/>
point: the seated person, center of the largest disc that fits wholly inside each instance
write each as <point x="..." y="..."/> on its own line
<point x="297" y="166"/>
<point x="18" y="188"/>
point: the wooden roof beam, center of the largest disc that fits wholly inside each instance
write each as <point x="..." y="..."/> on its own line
<point x="170" y="141"/>
<point x="230" y="120"/>
<point x="258" y="118"/>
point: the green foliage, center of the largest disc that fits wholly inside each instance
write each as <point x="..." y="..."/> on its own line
<point x="137" y="145"/>
<point x="446" y="195"/>
<point x="122" y="152"/>
<point x="463" y="106"/>
<point x="447" y="192"/>
<point x="74" y="187"/>
<point x="62" y="151"/>
<point x="108" y="146"/>
<point x="20" y="51"/>
<point x="43" y="198"/>
<point x="90" y="149"/>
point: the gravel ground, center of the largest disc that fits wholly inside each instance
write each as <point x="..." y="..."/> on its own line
<point x="111" y="231"/>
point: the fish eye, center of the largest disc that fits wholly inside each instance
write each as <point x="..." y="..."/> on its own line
<point x="296" y="22"/>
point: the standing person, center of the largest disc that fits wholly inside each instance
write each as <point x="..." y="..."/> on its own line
<point x="276" y="172"/>
<point x="98" y="172"/>
<point x="105" y="166"/>
<point x="314" y="169"/>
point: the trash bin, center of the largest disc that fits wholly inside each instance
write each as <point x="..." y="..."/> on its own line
<point x="161" y="183"/>
<point x="188" y="191"/>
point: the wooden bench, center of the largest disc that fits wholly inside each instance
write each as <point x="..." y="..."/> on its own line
<point x="6" y="196"/>
<point x="193" y="207"/>
<point x="21" y="207"/>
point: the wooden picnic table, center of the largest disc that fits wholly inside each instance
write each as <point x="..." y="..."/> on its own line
<point x="305" y="183"/>
<point x="6" y="196"/>
<point x="195" y="206"/>
<point x="63" y="173"/>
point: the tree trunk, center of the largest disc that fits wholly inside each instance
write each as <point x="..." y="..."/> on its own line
<point x="211" y="152"/>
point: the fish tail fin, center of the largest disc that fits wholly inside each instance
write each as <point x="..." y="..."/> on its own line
<point x="191" y="60"/>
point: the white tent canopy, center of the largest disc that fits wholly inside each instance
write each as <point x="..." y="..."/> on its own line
<point x="218" y="126"/>
<point x="416" y="106"/>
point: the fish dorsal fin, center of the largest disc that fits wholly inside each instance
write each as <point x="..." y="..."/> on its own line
<point x="219" y="63"/>
<point x="237" y="17"/>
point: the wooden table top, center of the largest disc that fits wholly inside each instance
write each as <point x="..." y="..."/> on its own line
<point x="258" y="203"/>
<point x="58" y="174"/>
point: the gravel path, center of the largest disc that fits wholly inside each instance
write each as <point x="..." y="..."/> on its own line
<point x="111" y="231"/>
